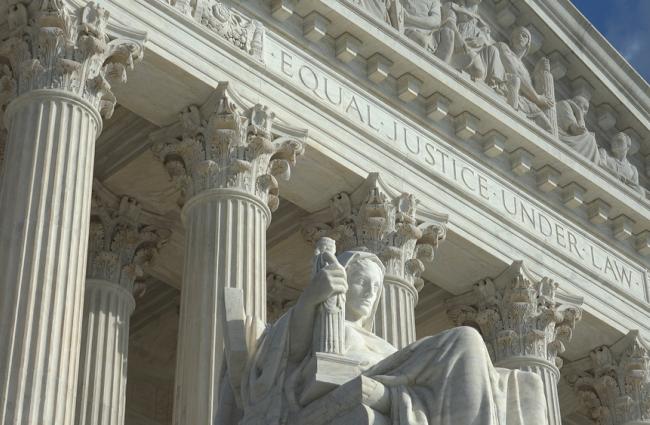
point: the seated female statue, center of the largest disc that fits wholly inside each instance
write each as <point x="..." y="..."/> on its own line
<point x="446" y="379"/>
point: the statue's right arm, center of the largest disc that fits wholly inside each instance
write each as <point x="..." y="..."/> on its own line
<point x="329" y="281"/>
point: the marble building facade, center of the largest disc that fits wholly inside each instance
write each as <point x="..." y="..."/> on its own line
<point x="295" y="212"/>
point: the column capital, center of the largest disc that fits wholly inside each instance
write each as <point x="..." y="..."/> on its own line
<point x="520" y="316"/>
<point x="613" y="383"/>
<point x="48" y="45"/>
<point x="376" y="218"/>
<point x="122" y="239"/>
<point x="279" y="296"/>
<point x="224" y="144"/>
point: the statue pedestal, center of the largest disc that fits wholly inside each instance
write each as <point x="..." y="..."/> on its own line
<point x="361" y="401"/>
<point x="326" y="372"/>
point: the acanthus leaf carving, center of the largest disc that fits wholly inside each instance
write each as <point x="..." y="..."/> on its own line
<point x="280" y="296"/>
<point x="50" y="46"/>
<point x="613" y="384"/>
<point x="383" y="223"/>
<point x="120" y="244"/>
<point x="518" y="315"/>
<point x="220" y="146"/>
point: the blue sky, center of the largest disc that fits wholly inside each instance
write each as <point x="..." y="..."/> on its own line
<point x="626" y="24"/>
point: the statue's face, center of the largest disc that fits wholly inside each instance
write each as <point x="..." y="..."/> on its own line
<point x="521" y="39"/>
<point x="364" y="283"/>
<point x="583" y="104"/>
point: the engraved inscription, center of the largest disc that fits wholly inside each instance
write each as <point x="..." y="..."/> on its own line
<point x="528" y="215"/>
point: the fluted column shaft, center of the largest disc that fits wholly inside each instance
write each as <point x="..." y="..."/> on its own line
<point x="395" y="317"/>
<point x="550" y="375"/>
<point x="102" y="373"/>
<point x="225" y="247"/>
<point x="44" y="217"/>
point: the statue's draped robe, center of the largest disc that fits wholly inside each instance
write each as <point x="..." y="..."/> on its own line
<point x="569" y="118"/>
<point x="446" y="379"/>
<point x="622" y="169"/>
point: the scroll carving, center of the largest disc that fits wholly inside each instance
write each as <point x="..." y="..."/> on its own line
<point x="518" y="315"/>
<point x="383" y="224"/>
<point x="50" y="46"/>
<point x="120" y="242"/>
<point x="219" y="145"/>
<point x="613" y="384"/>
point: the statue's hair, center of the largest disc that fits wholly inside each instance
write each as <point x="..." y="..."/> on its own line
<point x="626" y="138"/>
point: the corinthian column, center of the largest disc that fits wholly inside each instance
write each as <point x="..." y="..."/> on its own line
<point x="120" y="246"/>
<point x="613" y="383"/>
<point x="376" y="219"/>
<point x="225" y="159"/>
<point x="524" y="323"/>
<point x="56" y="74"/>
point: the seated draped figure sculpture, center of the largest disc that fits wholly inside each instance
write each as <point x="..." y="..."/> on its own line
<point x="518" y="86"/>
<point x="446" y="379"/>
<point x="571" y="114"/>
<point x="618" y="164"/>
<point x="456" y="33"/>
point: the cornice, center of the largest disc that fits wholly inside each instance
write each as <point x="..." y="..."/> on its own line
<point x="597" y="54"/>
<point x="468" y="96"/>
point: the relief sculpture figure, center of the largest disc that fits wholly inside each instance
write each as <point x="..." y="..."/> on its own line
<point x="537" y="103"/>
<point x="456" y="34"/>
<point x="422" y="21"/>
<point x="466" y="42"/>
<point x="446" y="379"/>
<point x="573" y="131"/>
<point x="618" y="164"/>
<point x="388" y="11"/>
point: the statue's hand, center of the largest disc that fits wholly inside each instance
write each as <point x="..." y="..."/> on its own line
<point x="329" y="281"/>
<point x="545" y="102"/>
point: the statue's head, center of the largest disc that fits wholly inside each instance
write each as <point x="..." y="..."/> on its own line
<point x="582" y="102"/>
<point x="620" y="145"/>
<point x="521" y="40"/>
<point x="365" y="273"/>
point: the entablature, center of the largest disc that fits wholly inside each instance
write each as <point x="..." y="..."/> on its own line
<point x="359" y="146"/>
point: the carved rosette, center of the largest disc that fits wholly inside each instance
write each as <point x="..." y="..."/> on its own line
<point x="518" y="316"/>
<point x="614" y="385"/>
<point x="384" y="225"/>
<point x="219" y="146"/>
<point x="120" y="244"/>
<point x="50" y="46"/>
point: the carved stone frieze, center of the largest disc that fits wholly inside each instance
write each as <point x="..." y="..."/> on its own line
<point x="613" y="384"/>
<point x="223" y="145"/>
<point x="242" y="32"/>
<point x="617" y="162"/>
<point x="380" y="222"/>
<point x="47" y="45"/>
<point x="518" y="315"/>
<point x="120" y="243"/>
